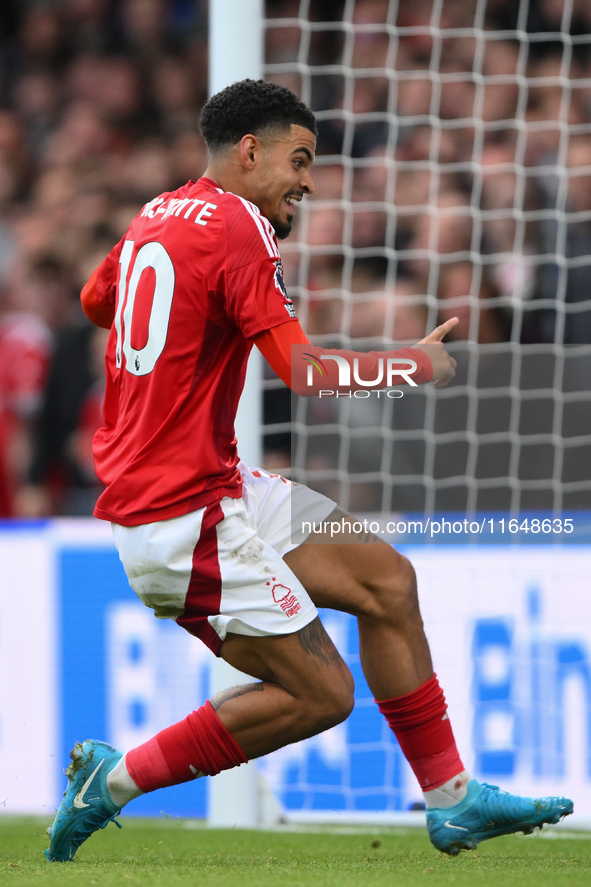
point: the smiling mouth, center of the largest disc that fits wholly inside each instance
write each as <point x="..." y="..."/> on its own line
<point x="292" y="202"/>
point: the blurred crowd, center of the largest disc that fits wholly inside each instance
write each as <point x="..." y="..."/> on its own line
<point x="99" y="102"/>
<point x="453" y="178"/>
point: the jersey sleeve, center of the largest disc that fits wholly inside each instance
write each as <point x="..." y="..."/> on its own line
<point x="256" y="297"/>
<point x="98" y="295"/>
<point x="275" y="346"/>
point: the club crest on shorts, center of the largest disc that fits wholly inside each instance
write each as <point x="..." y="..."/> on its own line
<point x="280" y="284"/>
<point x="286" y="599"/>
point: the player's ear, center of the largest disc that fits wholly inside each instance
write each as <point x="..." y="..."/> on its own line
<point x="248" y="149"/>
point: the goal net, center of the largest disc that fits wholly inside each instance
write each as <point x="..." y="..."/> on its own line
<point x="453" y="178"/>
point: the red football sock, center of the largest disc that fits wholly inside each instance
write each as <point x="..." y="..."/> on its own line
<point x="424" y="733"/>
<point x="198" y="744"/>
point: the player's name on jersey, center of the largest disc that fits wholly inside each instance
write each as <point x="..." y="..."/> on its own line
<point x="184" y="207"/>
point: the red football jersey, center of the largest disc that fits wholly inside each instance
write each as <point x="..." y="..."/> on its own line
<point x="196" y="276"/>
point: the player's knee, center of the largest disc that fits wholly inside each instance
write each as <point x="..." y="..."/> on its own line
<point x="392" y="591"/>
<point x="332" y="702"/>
<point x="343" y="696"/>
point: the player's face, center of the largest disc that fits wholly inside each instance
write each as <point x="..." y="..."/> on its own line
<point x="284" y="176"/>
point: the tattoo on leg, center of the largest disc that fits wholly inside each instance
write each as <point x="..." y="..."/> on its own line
<point x="315" y="640"/>
<point x="233" y="693"/>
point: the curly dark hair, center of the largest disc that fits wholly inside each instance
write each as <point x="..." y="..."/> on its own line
<point x="251" y="106"/>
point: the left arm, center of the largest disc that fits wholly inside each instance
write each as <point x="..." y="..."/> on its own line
<point x="97" y="309"/>
<point x="99" y="294"/>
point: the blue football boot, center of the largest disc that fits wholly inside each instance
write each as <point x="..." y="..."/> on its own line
<point x="487" y="812"/>
<point x="87" y="805"/>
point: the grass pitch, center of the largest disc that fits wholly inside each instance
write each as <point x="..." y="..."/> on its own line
<point x="175" y="853"/>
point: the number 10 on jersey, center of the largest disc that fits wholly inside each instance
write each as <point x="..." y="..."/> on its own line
<point x="153" y="255"/>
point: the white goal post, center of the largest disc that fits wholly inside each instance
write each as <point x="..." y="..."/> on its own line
<point x="236" y="52"/>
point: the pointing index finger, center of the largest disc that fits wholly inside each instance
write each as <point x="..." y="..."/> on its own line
<point x="440" y="332"/>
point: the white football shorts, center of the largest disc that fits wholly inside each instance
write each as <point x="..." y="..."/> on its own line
<point x="220" y="569"/>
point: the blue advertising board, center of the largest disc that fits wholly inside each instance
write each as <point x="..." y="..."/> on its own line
<point x="509" y="627"/>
